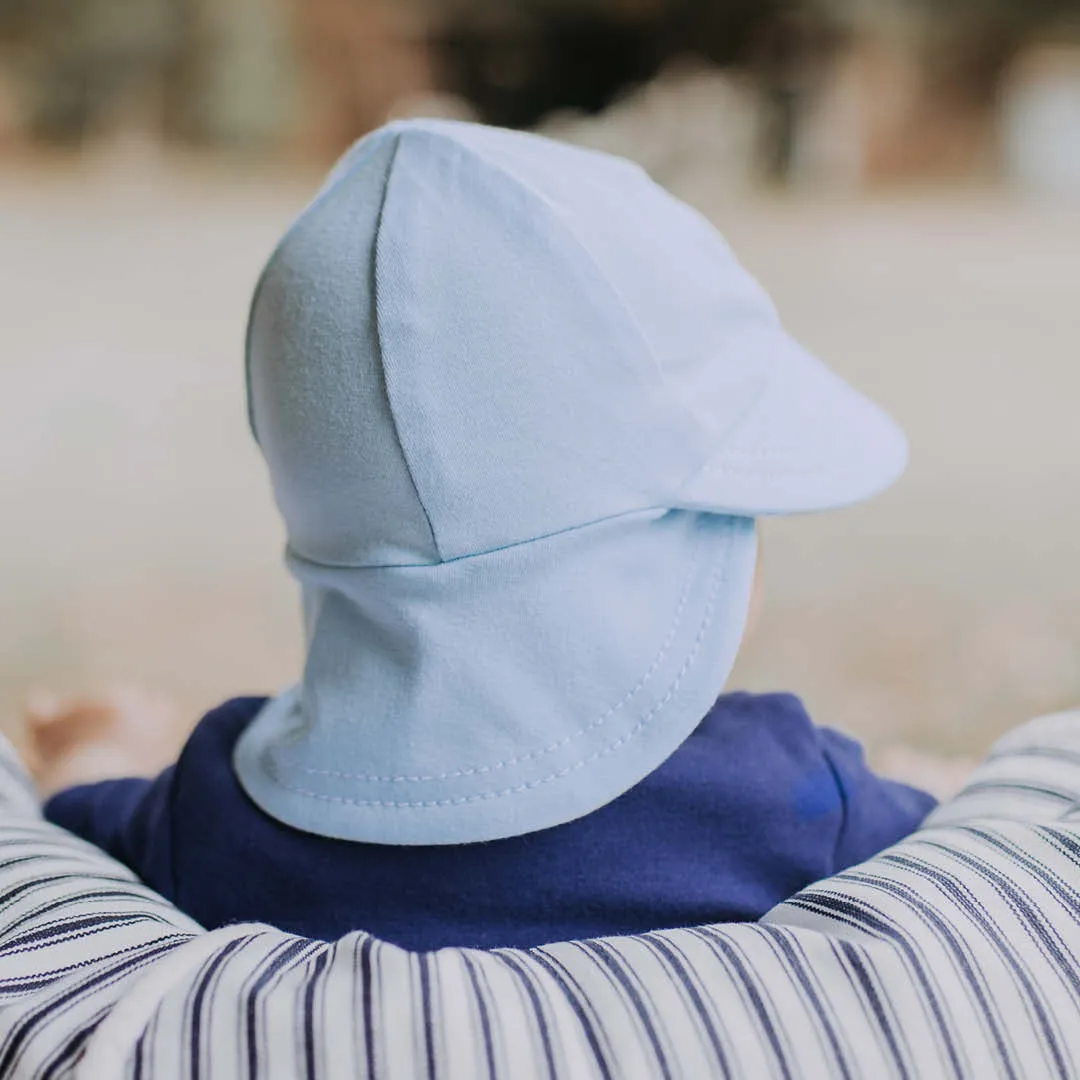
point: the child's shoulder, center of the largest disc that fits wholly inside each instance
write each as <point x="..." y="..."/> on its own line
<point x="747" y="716"/>
<point x="765" y="730"/>
<point x="760" y="743"/>
<point x="214" y="736"/>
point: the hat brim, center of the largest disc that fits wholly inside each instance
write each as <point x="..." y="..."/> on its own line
<point x="807" y="442"/>
<point x="502" y="693"/>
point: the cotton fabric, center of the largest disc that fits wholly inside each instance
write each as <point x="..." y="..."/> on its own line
<point x="754" y="806"/>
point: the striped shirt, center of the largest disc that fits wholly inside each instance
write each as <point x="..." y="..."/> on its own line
<point x="956" y="953"/>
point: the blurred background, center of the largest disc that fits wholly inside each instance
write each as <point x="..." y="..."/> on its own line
<point x="902" y="175"/>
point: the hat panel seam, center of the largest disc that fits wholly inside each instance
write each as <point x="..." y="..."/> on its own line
<point x="384" y="381"/>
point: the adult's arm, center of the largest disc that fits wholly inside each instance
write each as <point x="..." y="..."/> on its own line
<point x="954" y="953"/>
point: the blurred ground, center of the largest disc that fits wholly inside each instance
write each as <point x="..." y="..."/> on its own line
<point x="139" y="541"/>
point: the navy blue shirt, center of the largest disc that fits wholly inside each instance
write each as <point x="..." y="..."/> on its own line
<point x="757" y="803"/>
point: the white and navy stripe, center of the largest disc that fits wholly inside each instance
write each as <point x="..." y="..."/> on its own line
<point x="954" y="954"/>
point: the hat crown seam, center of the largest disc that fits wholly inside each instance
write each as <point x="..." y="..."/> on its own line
<point x="383" y="381"/>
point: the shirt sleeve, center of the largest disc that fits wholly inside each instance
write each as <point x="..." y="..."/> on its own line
<point x="140" y="822"/>
<point x="129" y="819"/>
<point x="877" y="812"/>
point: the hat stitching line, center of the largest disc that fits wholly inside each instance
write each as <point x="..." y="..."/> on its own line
<point x="756" y="454"/>
<point x="534" y="754"/>
<point x="749" y="470"/>
<point x="717" y="580"/>
<point x="750" y="466"/>
<point x="382" y="364"/>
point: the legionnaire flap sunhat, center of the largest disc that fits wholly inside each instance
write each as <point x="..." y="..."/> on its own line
<point x="520" y="408"/>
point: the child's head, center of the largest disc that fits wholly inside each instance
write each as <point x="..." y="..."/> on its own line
<point x="520" y="408"/>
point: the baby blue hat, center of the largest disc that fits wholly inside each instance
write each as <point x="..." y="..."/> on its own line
<point x="520" y="407"/>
